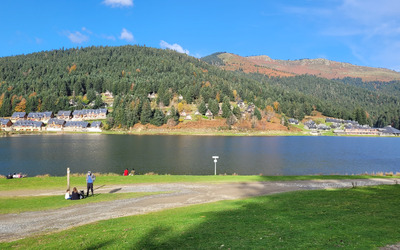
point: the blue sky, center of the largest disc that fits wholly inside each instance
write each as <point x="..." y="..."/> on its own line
<point x="361" y="32"/>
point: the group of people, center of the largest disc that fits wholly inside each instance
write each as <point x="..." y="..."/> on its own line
<point x="126" y="172"/>
<point x="15" y="176"/>
<point x="75" y="195"/>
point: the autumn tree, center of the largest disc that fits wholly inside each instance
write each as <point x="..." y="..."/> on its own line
<point x="276" y="106"/>
<point x="21" y="106"/>
<point x="270" y="113"/>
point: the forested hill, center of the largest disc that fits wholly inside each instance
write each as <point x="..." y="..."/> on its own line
<point x="49" y="80"/>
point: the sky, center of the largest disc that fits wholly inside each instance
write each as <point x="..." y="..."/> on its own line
<point x="360" y="32"/>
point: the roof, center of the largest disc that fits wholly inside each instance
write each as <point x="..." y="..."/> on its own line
<point x="18" y="115"/>
<point x="390" y="130"/>
<point x="4" y="121"/>
<point x="28" y="123"/>
<point x="64" y="113"/>
<point x="55" y="121"/>
<point x="79" y="124"/>
<point x="40" y="115"/>
<point x="96" y="124"/>
<point x="90" y="111"/>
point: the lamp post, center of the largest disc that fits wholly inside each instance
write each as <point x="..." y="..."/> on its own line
<point x="215" y="164"/>
<point x="68" y="178"/>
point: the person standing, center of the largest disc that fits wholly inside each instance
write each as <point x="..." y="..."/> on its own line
<point x="126" y="172"/>
<point x="89" y="181"/>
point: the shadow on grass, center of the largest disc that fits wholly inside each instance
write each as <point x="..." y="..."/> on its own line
<point x="115" y="190"/>
<point x="362" y="218"/>
<point x="100" y="245"/>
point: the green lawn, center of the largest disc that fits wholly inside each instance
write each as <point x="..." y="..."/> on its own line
<point x="358" y="218"/>
<point x="43" y="183"/>
<point x="36" y="203"/>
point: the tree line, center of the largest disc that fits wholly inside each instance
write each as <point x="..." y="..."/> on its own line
<point x="48" y="80"/>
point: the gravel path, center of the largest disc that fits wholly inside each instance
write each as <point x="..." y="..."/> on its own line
<point x="17" y="226"/>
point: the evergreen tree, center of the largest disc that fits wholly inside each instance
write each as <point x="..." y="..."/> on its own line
<point x="213" y="106"/>
<point x="257" y="114"/>
<point x="236" y="112"/>
<point x="159" y="118"/>
<point x="202" y="108"/>
<point x="226" y="108"/>
<point x="146" y="113"/>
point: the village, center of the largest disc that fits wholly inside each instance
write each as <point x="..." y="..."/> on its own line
<point x="68" y="121"/>
<point x="345" y="127"/>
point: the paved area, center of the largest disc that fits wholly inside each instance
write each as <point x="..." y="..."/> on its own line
<point x="17" y="226"/>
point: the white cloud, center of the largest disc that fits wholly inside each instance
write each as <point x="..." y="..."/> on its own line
<point x="77" y="37"/>
<point x="38" y="40"/>
<point x="176" y="47"/>
<point x="126" y="35"/>
<point x="108" y="37"/>
<point x="118" y="3"/>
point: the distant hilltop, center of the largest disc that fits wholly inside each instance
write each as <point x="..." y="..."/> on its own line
<point x="319" y="67"/>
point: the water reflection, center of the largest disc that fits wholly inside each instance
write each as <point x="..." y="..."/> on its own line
<point x="41" y="154"/>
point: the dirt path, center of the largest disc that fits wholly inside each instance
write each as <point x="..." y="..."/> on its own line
<point x="17" y="226"/>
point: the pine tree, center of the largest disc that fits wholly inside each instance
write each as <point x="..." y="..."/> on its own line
<point x="146" y="113"/>
<point x="202" y="108"/>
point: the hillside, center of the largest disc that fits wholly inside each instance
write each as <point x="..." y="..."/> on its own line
<point x="49" y="80"/>
<point x="318" y="67"/>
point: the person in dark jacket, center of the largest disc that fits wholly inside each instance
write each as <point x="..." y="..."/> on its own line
<point x="75" y="194"/>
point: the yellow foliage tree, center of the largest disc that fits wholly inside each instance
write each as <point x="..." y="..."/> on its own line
<point x="39" y="107"/>
<point x="72" y="68"/>
<point x="180" y="107"/>
<point x="234" y="94"/>
<point x="269" y="112"/>
<point x="1" y="100"/>
<point x="21" y="106"/>
<point x="276" y="106"/>
<point x="218" y="97"/>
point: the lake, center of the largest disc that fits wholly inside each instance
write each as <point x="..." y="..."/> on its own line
<point x="192" y="155"/>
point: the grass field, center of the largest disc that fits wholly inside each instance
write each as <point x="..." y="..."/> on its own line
<point x="41" y="183"/>
<point x="357" y="218"/>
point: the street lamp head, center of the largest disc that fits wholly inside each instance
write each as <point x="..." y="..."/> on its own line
<point x="215" y="157"/>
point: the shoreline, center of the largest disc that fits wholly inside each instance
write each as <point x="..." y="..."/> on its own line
<point x="271" y="133"/>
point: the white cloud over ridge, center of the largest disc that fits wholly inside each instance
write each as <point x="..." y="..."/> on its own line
<point x="118" y="3"/>
<point x="175" y="46"/>
<point x="126" y="35"/>
<point x="77" y="37"/>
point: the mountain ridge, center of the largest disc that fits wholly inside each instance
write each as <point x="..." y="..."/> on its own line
<point x="319" y="67"/>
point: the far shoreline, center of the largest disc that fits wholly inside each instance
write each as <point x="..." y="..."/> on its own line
<point x="155" y="132"/>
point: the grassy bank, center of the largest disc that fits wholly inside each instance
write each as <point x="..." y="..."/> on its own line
<point x="358" y="218"/>
<point x="44" y="183"/>
<point x="40" y="203"/>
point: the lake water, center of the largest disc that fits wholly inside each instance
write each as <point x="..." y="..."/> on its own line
<point x="191" y="155"/>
